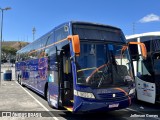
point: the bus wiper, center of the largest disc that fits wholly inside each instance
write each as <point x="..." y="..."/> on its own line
<point x="101" y="80"/>
<point x="113" y="61"/>
<point x="104" y="75"/>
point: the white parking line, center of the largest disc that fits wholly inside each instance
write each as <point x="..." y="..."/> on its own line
<point x="39" y="102"/>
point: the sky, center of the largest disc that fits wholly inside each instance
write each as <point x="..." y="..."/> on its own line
<point x="132" y="16"/>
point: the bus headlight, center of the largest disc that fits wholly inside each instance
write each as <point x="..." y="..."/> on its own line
<point x="132" y="91"/>
<point x="84" y="94"/>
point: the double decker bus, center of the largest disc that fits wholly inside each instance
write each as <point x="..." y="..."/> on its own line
<point x="80" y="66"/>
<point x="147" y="71"/>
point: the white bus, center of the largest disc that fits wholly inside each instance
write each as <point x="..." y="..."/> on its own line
<point x="147" y="72"/>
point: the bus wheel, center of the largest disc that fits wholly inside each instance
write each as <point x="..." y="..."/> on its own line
<point x="18" y="78"/>
<point x="136" y="98"/>
<point x="48" y="97"/>
<point x="20" y="82"/>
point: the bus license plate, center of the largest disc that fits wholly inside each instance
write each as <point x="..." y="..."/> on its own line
<point x="113" y="105"/>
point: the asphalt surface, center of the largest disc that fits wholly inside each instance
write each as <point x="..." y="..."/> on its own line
<point x="22" y="103"/>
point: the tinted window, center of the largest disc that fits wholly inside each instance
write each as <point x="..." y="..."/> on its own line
<point x="61" y="33"/>
<point x="148" y="45"/>
<point x="156" y="45"/>
<point x="94" y="32"/>
<point x="50" y="39"/>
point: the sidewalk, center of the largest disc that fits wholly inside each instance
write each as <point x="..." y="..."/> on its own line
<point x="5" y="67"/>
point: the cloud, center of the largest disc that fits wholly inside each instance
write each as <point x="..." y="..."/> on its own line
<point x="150" y="18"/>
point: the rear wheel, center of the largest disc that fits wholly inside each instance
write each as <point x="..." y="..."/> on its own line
<point x="20" y="82"/>
<point x="48" y="97"/>
<point x="18" y="78"/>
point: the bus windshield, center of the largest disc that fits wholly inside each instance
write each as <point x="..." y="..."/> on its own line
<point x="103" y="65"/>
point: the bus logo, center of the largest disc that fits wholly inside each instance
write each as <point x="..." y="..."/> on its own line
<point x="114" y="95"/>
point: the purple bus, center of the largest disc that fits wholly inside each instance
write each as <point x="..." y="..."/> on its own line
<point x="80" y="66"/>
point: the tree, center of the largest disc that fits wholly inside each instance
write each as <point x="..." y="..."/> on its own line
<point x="8" y="52"/>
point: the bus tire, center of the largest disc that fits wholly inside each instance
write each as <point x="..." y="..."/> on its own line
<point x="136" y="98"/>
<point x="18" y="78"/>
<point x="48" y="97"/>
<point x="20" y="82"/>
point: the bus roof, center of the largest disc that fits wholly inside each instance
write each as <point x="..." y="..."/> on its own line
<point x="93" y="23"/>
<point x="72" y="22"/>
<point x="157" y="33"/>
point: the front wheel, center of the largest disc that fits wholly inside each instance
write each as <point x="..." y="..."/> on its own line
<point x="136" y="97"/>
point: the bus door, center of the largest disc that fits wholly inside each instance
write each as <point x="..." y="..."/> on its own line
<point x="66" y="79"/>
<point x="68" y="72"/>
<point x="60" y="83"/>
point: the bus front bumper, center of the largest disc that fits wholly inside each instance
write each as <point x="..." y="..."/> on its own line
<point x="87" y="106"/>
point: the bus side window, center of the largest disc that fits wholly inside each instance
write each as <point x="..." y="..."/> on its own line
<point x="61" y="33"/>
<point x="50" y="51"/>
<point x="43" y="53"/>
<point x="50" y="39"/>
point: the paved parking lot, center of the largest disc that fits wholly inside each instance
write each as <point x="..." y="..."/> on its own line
<point x="17" y="102"/>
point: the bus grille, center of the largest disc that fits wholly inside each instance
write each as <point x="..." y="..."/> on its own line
<point x="109" y="97"/>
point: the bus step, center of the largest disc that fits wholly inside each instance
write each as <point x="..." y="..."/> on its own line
<point x="72" y="101"/>
<point x="69" y="108"/>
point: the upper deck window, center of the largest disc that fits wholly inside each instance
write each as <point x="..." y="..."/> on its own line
<point x="97" y="32"/>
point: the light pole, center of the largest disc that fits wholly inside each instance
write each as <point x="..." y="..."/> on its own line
<point x="2" y="9"/>
<point x="33" y="31"/>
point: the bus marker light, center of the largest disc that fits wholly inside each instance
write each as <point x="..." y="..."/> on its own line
<point x="114" y="95"/>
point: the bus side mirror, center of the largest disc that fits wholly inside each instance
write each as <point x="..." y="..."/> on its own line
<point x="75" y="43"/>
<point x="143" y="48"/>
<point x="124" y="49"/>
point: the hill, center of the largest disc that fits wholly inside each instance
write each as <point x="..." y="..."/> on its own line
<point x="15" y="44"/>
